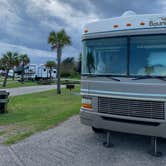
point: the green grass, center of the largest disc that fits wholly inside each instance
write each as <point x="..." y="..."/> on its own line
<point x="31" y="113"/>
<point x="15" y="138"/>
<point x="2" y="132"/>
<point x="15" y="84"/>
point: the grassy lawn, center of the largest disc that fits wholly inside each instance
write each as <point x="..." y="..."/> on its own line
<point x="15" y="84"/>
<point x="36" y="112"/>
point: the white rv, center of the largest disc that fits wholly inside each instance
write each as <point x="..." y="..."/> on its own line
<point x="33" y="71"/>
<point x="123" y="84"/>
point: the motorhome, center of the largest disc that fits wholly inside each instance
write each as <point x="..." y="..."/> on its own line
<point x="123" y="83"/>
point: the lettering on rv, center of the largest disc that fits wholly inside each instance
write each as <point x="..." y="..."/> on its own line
<point x="161" y="22"/>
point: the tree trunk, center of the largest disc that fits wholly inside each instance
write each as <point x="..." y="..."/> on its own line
<point x="59" y="52"/>
<point x="50" y="72"/>
<point x="13" y="75"/>
<point x="5" y="79"/>
<point x="22" y="75"/>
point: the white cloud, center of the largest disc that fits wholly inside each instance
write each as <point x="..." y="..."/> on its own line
<point x="48" y="24"/>
<point x="64" y="11"/>
<point x="8" y="17"/>
<point x="22" y="49"/>
<point x="163" y="5"/>
<point x="7" y="14"/>
<point x="14" y="27"/>
<point x="70" y="51"/>
<point x="29" y="22"/>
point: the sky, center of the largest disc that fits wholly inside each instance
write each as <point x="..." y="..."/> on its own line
<point x="26" y="24"/>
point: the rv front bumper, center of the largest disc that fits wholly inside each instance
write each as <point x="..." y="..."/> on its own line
<point x="96" y="120"/>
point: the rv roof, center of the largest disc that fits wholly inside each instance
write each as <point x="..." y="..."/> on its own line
<point x="128" y="21"/>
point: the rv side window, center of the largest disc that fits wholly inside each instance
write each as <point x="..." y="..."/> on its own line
<point x="148" y="55"/>
<point x="106" y="56"/>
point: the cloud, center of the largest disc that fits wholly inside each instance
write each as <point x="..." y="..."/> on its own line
<point x="8" y="18"/>
<point x="28" y="23"/>
<point x="59" y="9"/>
<point x="36" y="56"/>
<point x="163" y="5"/>
<point x="22" y="49"/>
<point x="55" y="14"/>
<point x="15" y="27"/>
<point x="114" y="8"/>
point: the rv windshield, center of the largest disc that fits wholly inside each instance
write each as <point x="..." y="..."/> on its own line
<point x="148" y="55"/>
<point x="144" y="56"/>
<point x="105" y="56"/>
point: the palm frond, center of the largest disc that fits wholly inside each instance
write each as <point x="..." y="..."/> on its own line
<point x="59" y="39"/>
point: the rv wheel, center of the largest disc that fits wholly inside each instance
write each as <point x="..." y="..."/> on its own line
<point x="96" y="130"/>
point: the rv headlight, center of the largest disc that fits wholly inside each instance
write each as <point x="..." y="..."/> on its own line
<point x="87" y="102"/>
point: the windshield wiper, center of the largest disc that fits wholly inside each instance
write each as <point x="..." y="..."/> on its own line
<point x="95" y="75"/>
<point x="112" y="78"/>
<point x="150" y="77"/>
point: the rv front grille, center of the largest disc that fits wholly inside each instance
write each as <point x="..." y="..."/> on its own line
<point x="131" y="108"/>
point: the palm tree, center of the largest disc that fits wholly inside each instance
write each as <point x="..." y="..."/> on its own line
<point x="50" y="65"/>
<point x="23" y="60"/>
<point x="15" y="65"/>
<point x="8" y="62"/>
<point x="58" y="40"/>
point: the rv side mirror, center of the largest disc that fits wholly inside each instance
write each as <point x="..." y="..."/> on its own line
<point x="79" y="67"/>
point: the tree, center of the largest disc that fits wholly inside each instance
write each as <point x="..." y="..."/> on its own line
<point x="79" y="63"/>
<point x="67" y="67"/>
<point x="80" y="57"/>
<point x="8" y="61"/>
<point x="15" y="65"/>
<point x="68" y="60"/>
<point x="58" y="40"/>
<point x="50" y="65"/>
<point x="23" y="61"/>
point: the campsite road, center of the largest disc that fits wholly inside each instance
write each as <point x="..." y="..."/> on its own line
<point x="30" y="89"/>
<point x="73" y="144"/>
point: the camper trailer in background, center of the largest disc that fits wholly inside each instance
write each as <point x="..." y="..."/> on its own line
<point x="30" y="71"/>
<point x="10" y="74"/>
<point x="37" y="72"/>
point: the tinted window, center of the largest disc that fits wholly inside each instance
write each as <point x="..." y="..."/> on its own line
<point x="105" y="56"/>
<point x="148" y="55"/>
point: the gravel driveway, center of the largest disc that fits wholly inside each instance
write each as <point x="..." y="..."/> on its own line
<point x="73" y="144"/>
<point x="30" y="89"/>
